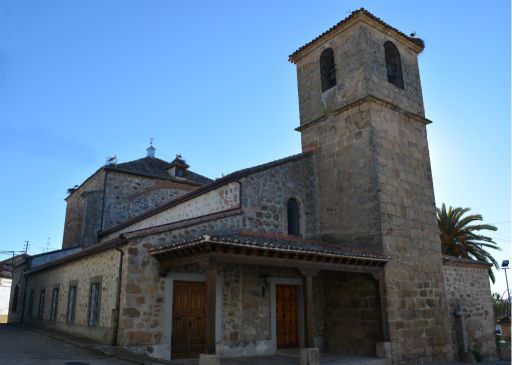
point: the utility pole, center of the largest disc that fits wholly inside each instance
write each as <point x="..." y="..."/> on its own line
<point x="10" y="252"/>
<point x="504" y="266"/>
<point x="26" y="246"/>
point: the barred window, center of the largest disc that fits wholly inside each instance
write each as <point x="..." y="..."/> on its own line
<point x="393" y="64"/>
<point x="71" y="303"/>
<point x="94" y="304"/>
<point x="55" y="304"/>
<point x="40" y="309"/>
<point x="327" y="69"/>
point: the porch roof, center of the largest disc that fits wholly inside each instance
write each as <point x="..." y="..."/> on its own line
<point x="266" y="249"/>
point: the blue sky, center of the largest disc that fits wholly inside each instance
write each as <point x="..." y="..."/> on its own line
<point x="83" y="80"/>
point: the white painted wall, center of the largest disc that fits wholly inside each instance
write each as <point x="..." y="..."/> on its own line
<point x="5" y="293"/>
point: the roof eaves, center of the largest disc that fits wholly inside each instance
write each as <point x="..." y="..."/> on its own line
<point x="223" y="240"/>
<point x="416" y="43"/>
<point x="54" y="251"/>
<point x="85" y="252"/>
<point x="84" y="182"/>
<point x="186" y="182"/>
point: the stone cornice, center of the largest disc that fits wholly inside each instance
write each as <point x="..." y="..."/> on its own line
<point x="366" y="99"/>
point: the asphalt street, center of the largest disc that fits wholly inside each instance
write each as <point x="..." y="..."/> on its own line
<point x="19" y="346"/>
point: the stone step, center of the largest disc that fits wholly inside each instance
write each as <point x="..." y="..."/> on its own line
<point x="332" y="359"/>
<point x="292" y="352"/>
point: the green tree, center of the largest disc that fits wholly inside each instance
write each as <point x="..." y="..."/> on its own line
<point x="499" y="306"/>
<point x="461" y="237"/>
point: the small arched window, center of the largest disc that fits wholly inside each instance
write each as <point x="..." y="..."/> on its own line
<point x="15" y="299"/>
<point x="393" y="64"/>
<point x="327" y="69"/>
<point x="293" y="217"/>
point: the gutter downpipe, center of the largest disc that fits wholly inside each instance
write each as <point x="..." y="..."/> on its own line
<point x="117" y="309"/>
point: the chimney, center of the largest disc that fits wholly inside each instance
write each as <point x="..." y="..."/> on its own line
<point x="178" y="168"/>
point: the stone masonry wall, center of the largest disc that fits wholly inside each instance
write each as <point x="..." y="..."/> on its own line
<point x="17" y="279"/>
<point x="75" y="223"/>
<point x="104" y="266"/>
<point x="262" y="198"/>
<point x="265" y="196"/>
<point x="360" y="71"/>
<point x="143" y="298"/>
<point x="246" y="310"/>
<point x="128" y="195"/>
<point x="414" y="279"/>
<point x="467" y="287"/>
<point x="376" y="194"/>
<point x="347" y="181"/>
<point x="223" y="198"/>
<point x="352" y="313"/>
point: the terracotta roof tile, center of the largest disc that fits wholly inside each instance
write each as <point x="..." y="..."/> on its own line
<point x="273" y="242"/>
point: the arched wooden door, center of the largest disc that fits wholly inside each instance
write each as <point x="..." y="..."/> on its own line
<point x="286" y="316"/>
<point x="188" y="319"/>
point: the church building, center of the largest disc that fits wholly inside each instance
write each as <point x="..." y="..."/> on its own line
<point x="333" y="250"/>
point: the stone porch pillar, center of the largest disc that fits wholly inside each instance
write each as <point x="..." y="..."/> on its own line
<point x="210" y="357"/>
<point x="309" y="355"/>
<point x="383" y="347"/>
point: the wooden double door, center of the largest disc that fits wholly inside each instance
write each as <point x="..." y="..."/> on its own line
<point x="189" y="324"/>
<point x="188" y="319"/>
<point x="287" y="316"/>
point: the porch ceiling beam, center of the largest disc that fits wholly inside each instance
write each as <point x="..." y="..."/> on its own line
<point x="284" y="262"/>
<point x="249" y="256"/>
<point x="167" y="265"/>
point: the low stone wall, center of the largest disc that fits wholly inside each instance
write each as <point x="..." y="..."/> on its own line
<point x="504" y="350"/>
<point x="468" y="288"/>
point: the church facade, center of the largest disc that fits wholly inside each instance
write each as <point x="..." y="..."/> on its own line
<point x="335" y="249"/>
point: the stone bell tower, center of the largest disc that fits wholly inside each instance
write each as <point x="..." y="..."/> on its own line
<point x="361" y="111"/>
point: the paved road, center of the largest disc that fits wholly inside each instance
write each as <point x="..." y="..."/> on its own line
<point x="23" y="347"/>
<point x="20" y="346"/>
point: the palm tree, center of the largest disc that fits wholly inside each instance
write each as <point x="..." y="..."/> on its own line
<point x="461" y="238"/>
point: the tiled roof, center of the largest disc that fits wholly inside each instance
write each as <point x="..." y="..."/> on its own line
<point x="82" y="253"/>
<point x="272" y="242"/>
<point x="155" y="167"/>
<point x="416" y="41"/>
<point x="208" y="187"/>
